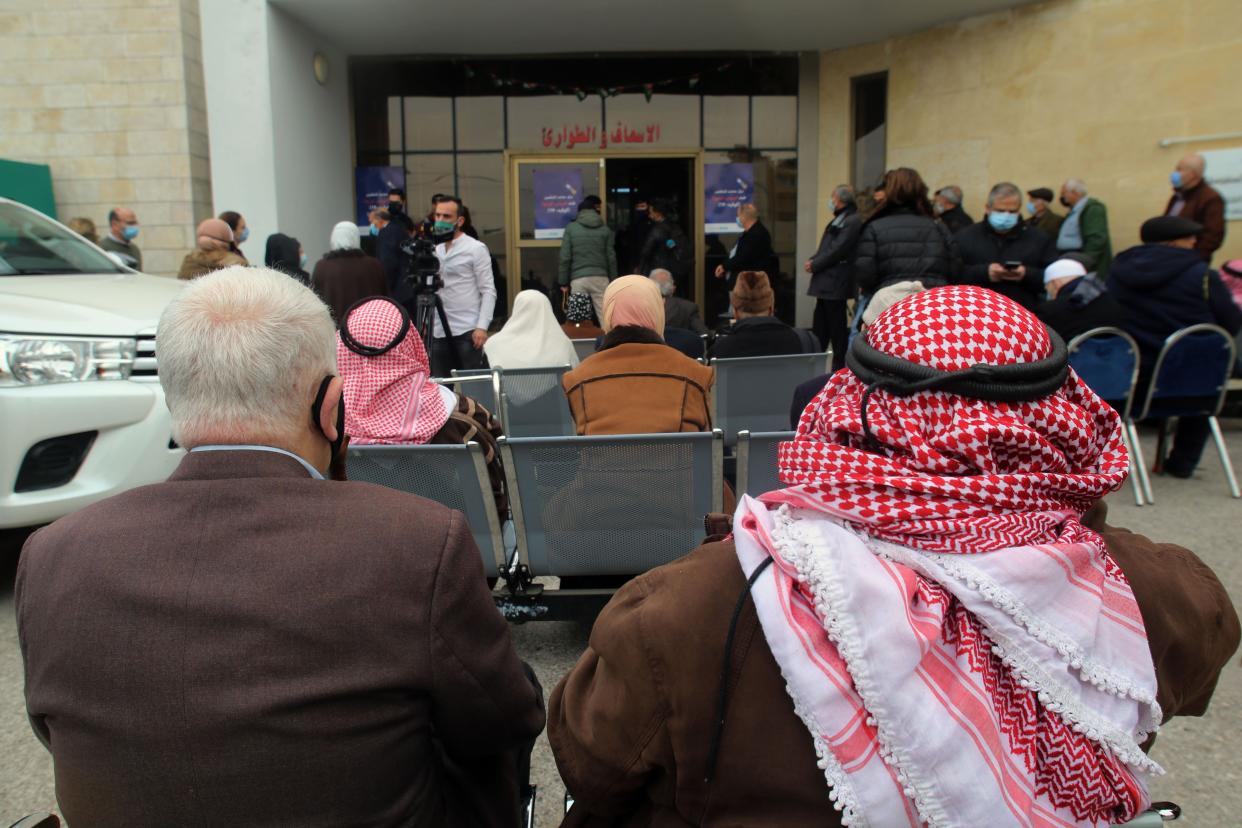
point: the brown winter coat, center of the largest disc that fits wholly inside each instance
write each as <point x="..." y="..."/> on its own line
<point x="631" y="726"/>
<point x="201" y="262"/>
<point x="639" y="387"/>
<point x="246" y="645"/>
<point x="1206" y="206"/>
<point x="343" y="277"/>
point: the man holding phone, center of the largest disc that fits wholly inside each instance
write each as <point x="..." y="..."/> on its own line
<point x="1005" y="253"/>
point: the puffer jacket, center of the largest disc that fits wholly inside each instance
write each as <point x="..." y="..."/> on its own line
<point x="587" y="249"/>
<point x="899" y="245"/>
<point x="1164" y="289"/>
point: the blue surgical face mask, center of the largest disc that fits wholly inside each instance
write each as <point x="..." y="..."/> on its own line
<point x="1176" y="178"/>
<point x="302" y="261"/>
<point x="1002" y="222"/>
<point x="1030" y="207"/>
<point x="243" y="235"/>
<point x="374" y="230"/>
<point x="739" y="222"/>
<point x="130" y="232"/>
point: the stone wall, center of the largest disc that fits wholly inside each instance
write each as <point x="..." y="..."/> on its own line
<point x="110" y="94"/>
<point x="1035" y="95"/>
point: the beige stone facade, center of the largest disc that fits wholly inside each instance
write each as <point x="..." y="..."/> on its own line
<point x="1084" y="88"/>
<point x="110" y="94"/>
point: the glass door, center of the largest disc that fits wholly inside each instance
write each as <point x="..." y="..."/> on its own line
<point x="547" y="191"/>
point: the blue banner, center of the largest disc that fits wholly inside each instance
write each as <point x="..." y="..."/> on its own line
<point x="726" y="187"/>
<point x="371" y="186"/>
<point x="557" y="193"/>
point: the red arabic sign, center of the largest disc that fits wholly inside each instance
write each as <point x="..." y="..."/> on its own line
<point x="569" y="136"/>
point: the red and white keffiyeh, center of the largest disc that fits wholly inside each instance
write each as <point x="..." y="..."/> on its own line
<point x="389" y="398"/>
<point x="962" y="649"/>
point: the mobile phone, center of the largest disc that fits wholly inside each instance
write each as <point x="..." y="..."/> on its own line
<point x="1012" y="265"/>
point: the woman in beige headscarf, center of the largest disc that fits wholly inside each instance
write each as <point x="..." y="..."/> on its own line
<point x="214" y="251"/>
<point x="634" y="383"/>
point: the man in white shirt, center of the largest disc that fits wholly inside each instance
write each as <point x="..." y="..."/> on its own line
<point x="469" y="292"/>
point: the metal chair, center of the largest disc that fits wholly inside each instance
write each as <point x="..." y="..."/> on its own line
<point x="756" y="461"/>
<point x="1155" y="816"/>
<point x="39" y="820"/>
<point x="482" y="385"/>
<point x="611" y="505"/>
<point x="753" y="393"/>
<point x="533" y="403"/>
<point x="1190" y="379"/>
<point x="454" y="475"/>
<point x="1107" y="360"/>
<point x="583" y="347"/>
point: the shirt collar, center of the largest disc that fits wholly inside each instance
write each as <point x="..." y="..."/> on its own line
<point x="314" y="472"/>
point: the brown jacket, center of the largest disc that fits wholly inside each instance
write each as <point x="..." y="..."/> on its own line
<point x="632" y="724"/>
<point x="639" y="388"/>
<point x="201" y="262"/>
<point x="1204" y="205"/>
<point x="245" y="645"/>
<point x="343" y="277"/>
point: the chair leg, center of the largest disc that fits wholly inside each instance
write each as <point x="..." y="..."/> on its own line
<point x="1134" y="475"/>
<point x="1139" y="462"/>
<point x="1219" y="439"/>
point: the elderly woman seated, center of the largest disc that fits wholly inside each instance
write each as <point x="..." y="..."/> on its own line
<point x="634" y="383"/>
<point x="933" y="623"/>
<point x="390" y="399"/>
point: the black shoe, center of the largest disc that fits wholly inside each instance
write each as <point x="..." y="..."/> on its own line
<point x="1175" y="470"/>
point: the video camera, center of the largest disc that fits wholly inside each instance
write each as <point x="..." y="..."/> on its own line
<point x="422" y="266"/>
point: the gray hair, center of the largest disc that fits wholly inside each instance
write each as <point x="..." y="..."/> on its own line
<point x="1005" y="189"/>
<point x="951" y="193"/>
<point x="241" y="352"/>
<point x="1076" y="185"/>
<point x="666" y="285"/>
<point x="844" y="193"/>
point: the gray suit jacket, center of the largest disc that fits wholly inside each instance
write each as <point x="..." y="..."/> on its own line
<point x="243" y="644"/>
<point x="682" y="313"/>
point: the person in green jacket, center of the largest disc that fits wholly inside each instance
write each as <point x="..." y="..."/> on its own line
<point x="588" y="255"/>
<point x="1085" y="229"/>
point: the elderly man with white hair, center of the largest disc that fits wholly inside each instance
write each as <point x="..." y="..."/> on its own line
<point x="1085" y="229"/>
<point x="1195" y="199"/>
<point x="248" y="643"/>
<point x="1077" y="301"/>
<point x="678" y="312"/>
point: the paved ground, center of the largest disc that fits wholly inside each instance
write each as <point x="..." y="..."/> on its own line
<point x="1201" y="755"/>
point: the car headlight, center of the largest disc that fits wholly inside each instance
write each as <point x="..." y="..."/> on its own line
<point x="34" y="360"/>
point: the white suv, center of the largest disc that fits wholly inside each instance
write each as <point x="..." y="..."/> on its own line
<point x="82" y="413"/>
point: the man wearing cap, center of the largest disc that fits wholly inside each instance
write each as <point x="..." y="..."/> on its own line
<point x="1164" y="285"/>
<point x="757" y="331"/>
<point x="1077" y="301"/>
<point x="1042" y="215"/>
<point x="1195" y="199"/>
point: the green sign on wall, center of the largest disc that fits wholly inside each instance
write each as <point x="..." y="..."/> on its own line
<point x="30" y="184"/>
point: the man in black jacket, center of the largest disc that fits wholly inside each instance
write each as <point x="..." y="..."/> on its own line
<point x="832" y="273"/>
<point x="388" y="245"/>
<point x="753" y="250"/>
<point x="1164" y="286"/>
<point x="948" y="208"/>
<point x="1077" y="301"/>
<point x="1005" y="253"/>
<point x="757" y="331"/>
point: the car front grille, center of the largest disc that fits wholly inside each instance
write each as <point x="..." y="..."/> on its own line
<point x="145" y="366"/>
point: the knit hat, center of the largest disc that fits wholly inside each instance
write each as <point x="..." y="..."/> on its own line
<point x="1064" y="269"/>
<point x="753" y="293"/>
<point x="1168" y="228"/>
<point x="886" y="297"/>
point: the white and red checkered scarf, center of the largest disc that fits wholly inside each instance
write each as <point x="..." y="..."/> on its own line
<point x="389" y="398"/>
<point x="962" y="649"/>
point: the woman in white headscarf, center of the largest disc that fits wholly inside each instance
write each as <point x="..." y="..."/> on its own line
<point x="531" y="338"/>
<point x="345" y="274"/>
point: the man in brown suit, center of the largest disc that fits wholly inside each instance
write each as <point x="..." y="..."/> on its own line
<point x="1195" y="199"/>
<point x="249" y="644"/>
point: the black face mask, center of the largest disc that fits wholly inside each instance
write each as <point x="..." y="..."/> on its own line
<point x="1065" y="203"/>
<point x="317" y="405"/>
<point x="395" y="208"/>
